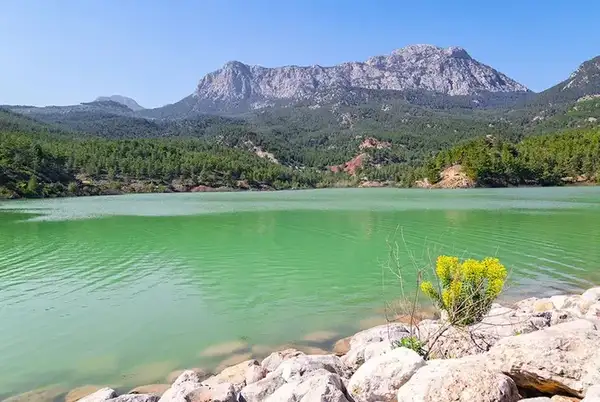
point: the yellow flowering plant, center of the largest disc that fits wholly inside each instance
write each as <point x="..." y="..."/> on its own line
<point x="467" y="289"/>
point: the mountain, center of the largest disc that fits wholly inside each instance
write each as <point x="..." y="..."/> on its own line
<point x="585" y="81"/>
<point x="123" y="100"/>
<point x="447" y="71"/>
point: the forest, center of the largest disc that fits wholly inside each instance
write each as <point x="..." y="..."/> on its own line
<point x="101" y="154"/>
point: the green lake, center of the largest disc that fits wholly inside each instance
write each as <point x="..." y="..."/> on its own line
<point x="122" y="290"/>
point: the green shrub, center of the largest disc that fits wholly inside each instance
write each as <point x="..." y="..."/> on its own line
<point x="466" y="289"/>
<point x="412" y="343"/>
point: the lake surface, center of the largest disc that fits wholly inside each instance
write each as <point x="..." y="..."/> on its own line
<point x="122" y="290"/>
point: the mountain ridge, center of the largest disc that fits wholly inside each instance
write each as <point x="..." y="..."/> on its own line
<point x="123" y="100"/>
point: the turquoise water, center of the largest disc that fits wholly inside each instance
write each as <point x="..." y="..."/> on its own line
<point x="122" y="290"/>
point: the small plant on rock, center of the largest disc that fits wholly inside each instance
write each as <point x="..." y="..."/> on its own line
<point x="466" y="289"/>
<point x="412" y="343"/>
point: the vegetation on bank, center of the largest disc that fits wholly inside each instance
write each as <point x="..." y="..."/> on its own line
<point x="547" y="160"/>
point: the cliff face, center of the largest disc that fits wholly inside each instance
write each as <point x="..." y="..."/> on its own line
<point x="449" y="71"/>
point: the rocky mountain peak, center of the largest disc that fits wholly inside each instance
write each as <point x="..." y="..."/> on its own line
<point x="587" y="74"/>
<point x="449" y="71"/>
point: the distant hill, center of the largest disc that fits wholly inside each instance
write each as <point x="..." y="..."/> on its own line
<point x="130" y="103"/>
<point x="583" y="81"/>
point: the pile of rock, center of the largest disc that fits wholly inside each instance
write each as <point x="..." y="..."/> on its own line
<point x="538" y="350"/>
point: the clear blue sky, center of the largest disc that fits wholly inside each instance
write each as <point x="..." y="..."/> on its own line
<point x="71" y="51"/>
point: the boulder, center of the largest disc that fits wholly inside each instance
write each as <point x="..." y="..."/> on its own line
<point x="223" y="392"/>
<point x="561" y="398"/>
<point x="271" y="362"/>
<point x="342" y="346"/>
<point x="201" y="373"/>
<point x="592" y="394"/>
<point x="103" y="394"/>
<point x="135" y="398"/>
<point x="593" y="312"/>
<point x="80" y="392"/>
<point x="260" y="390"/>
<point x="300" y="365"/>
<point x="537" y="399"/>
<point x="320" y="336"/>
<point x="387" y="332"/>
<point x="357" y="356"/>
<point x="563" y="359"/>
<point x="458" y="380"/>
<point x="237" y="375"/>
<point x="233" y="361"/>
<point x="224" y="349"/>
<point x="184" y="385"/>
<point x="380" y="378"/>
<point x="315" y="386"/>
<point x="591" y="295"/>
<point x="154" y="389"/>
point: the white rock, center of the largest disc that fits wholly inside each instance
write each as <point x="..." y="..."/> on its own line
<point x="562" y="359"/>
<point x="360" y="354"/>
<point x="458" y="380"/>
<point x="101" y="395"/>
<point x="135" y="398"/>
<point x="592" y="394"/>
<point x="387" y="332"/>
<point x="237" y="375"/>
<point x="593" y="312"/>
<point x="380" y="378"/>
<point x="303" y="364"/>
<point x="592" y="295"/>
<point x="258" y="391"/>
<point x="273" y="361"/>
<point x="184" y="385"/>
<point x="316" y="386"/>
<point x="222" y="392"/>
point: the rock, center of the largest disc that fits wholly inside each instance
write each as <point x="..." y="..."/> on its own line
<point x="77" y="393"/>
<point x="458" y="380"/>
<point x="356" y="357"/>
<point x="135" y="398"/>
<point x="154" y="389"/>
<point x="103" y="394"/>
<point x="237" y="375"/>
<point x="233" y="361"/>
<point x="316" y="386"/>
<point x="593" y="312"/>
<point x="561" y="398"/>
<point x="380" y="378"/>
<point x="592" y="394"/>
<point x="300" y="365"/>
<point x="260" y="390"/>
<point x="223" y="392"/>
<point x="47" y="394"/>
<point x="320" y="336"/>
<point x="542" y="305"/>
<point x="537" y="399"/>
<point x="261" y="350"/>
<point x="201" y="374"/>
<point x="224" y="349"/>
<point x="592" y="295"/>
<point x="312" y="350"/>
<point x="342" y="346"/>
<point x="387" y="332"/>
<point x="563" y="359"/>
<point x="271" y="362"/>
<point x="184" y="385"/>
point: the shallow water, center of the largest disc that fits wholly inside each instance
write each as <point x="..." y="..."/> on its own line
<point x="122" y="290"/>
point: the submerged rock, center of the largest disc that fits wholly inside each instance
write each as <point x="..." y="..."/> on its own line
<point x="78" y="393"/>
<point x="154" y="389"/>
<point x="47" y="394"/>
<point x="224" y="349"/>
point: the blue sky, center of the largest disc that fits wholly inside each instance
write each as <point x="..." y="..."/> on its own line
<point x="71" y="51"/>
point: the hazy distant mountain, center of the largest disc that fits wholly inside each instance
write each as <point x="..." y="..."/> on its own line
<point x="130" y="103"/>
<point x="583" y="81"/>
<point x="450" y="71"/>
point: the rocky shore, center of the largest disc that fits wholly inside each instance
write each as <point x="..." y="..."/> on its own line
<point x="536" y="350"/>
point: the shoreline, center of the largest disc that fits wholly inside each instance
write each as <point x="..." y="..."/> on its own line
<point x="256" y="375"/>
<point x="222" y="190"/>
